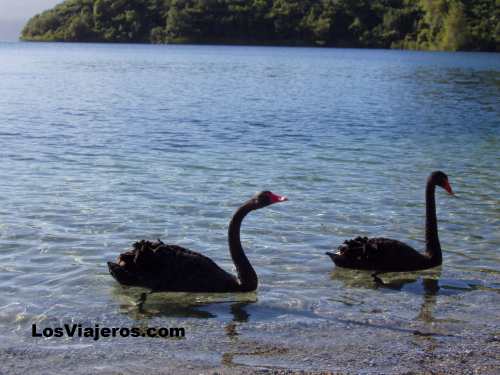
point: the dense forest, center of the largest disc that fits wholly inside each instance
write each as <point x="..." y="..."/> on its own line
<point x="409" y="24"/>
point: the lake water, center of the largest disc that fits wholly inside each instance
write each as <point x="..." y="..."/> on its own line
<point x="102" y="145"/>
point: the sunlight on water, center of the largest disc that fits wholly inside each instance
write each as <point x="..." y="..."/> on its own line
<point x="102" y="145"/>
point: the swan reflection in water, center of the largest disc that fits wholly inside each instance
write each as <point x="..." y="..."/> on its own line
<point x="233" y="309"/>
<point x="142" y="305"/>
<point x="424" y="283"/>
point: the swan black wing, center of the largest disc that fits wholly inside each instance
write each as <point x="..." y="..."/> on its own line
<point x="378" y="254"/>
<point x="165" y="267"/>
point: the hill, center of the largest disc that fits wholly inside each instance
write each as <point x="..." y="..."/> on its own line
<point x="408" y="24"/>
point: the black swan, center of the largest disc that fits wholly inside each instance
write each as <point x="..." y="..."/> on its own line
<point x="163" y="267"/>
<point x="387" y="255"/>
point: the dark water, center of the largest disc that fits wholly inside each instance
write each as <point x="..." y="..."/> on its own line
<point x="102" y="145"/>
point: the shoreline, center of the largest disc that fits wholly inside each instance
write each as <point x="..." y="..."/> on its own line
<point x="255" y="357"/>
<point x="244" y="44"/>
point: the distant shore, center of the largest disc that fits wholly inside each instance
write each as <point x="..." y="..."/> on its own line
<point x="239" y="42"/>
<point x="419" y="25"/>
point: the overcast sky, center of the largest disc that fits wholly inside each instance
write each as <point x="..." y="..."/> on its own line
<point x="14" y="13"/>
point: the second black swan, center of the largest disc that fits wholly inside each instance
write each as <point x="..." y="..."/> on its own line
<point x="163" y="267"/>
<point x="385" y="255"/>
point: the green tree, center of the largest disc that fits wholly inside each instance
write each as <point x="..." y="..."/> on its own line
<point x="454" y="35"/>
<point x="79" y="29"/>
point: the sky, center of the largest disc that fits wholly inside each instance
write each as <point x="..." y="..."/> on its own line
<point x="15" y="13"/>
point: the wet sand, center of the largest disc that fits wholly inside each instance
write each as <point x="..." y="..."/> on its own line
<point x="361" y="350"/>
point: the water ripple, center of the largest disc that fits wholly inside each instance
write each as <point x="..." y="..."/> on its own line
<point x="103" y="145"/>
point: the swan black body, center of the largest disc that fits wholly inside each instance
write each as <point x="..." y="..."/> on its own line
<point x="384" y="254"/>
<point x="163" y="267"/>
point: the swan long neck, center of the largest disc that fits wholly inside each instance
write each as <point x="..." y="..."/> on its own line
<point x="246" y="274"/>
<point x="433" y="248"/>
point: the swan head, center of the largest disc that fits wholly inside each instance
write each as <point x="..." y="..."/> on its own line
<point x="266" y="198"/>
<point x="441" y="179"/>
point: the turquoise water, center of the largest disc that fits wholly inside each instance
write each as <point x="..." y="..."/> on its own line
<point x="102" y="145"/>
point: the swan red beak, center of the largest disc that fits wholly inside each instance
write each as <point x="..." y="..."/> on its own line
<point x="447" y="187"/>
<point x="275" y="198"/>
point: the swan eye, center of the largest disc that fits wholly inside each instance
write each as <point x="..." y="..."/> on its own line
<point x="263" y="198"/>
<point x="439" y="178"/>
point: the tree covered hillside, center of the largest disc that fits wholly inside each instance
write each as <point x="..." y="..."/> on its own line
<point x="409" y="24"/>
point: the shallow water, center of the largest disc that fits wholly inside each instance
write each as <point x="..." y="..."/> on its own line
<point x="102" y="145"/>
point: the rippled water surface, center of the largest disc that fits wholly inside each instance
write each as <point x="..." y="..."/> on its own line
<point x="102" y="145"/>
